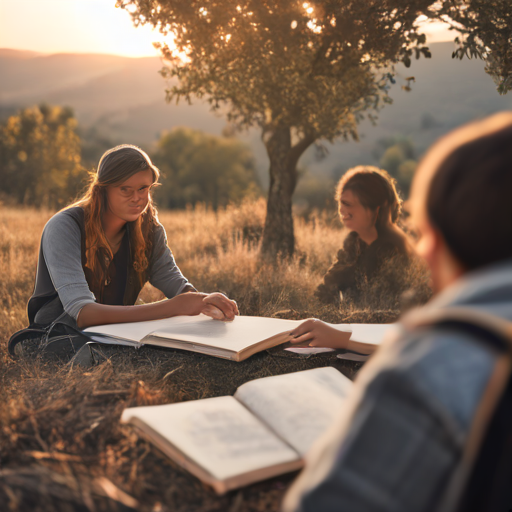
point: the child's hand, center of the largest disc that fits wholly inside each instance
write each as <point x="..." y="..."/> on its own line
<point x="319" y="334"/>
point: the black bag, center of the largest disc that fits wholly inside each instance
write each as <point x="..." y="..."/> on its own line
<point x="57" y="341"/>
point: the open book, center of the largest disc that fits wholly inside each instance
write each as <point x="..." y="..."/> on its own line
<point x="236" y="340"/>
<point x="263" y="431"/>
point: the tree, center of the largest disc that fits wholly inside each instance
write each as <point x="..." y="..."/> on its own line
<point x="486" y="28"/>
<point x="399" y="159"/>
<point x="40" y="160"/>
<point x="205" y="168"/>
<point x="302" y="71"/>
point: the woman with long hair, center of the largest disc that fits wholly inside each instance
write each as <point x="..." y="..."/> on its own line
<point x="369" y="207"/>
<point x="97" y="254"/>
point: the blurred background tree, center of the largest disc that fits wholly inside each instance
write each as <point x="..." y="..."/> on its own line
<point x="198" y="167"/>
<point x="397" y="156"/>
<point x="40" y="161"/>
<point x="486" y="33"/>
<point x="301" y="71"/>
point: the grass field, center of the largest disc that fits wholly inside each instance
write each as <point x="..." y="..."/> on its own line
<point x="61" y="445"/>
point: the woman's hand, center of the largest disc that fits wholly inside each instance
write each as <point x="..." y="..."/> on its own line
<point x="215" y="305"/>
<point x="219" y="307"/>
<point x="319" y="334"/>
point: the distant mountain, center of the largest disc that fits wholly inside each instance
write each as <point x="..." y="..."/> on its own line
<point x="124" y="99"/>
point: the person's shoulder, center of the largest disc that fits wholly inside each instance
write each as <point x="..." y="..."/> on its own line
<point x="158" y="230"/>
<point x="394" y="241"/>
<point x="65" y="220"/>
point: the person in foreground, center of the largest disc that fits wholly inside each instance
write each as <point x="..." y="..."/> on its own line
<point x="428" y="425"/>
<point x="97" y="254"/>
<point x="369" y="207"/>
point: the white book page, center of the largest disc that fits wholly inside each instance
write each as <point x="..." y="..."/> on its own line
<point x="370" y="333"/>
<point x="300" y="406"/>
<point x="241" y="333"/>
<point x="135" y="331"/>
<point x="219" y="434"/>
<point x="306" y="351"/>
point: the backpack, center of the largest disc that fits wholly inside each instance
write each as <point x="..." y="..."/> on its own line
<point x="482" y="480"/>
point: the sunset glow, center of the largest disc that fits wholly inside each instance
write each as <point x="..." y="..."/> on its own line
<point x="73" y="26"/>
<point x="96" y="26"/>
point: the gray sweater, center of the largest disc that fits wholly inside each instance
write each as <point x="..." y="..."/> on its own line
<point x="61" y="250"/>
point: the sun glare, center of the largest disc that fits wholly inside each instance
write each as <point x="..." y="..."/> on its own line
<point x="73" y="26"/>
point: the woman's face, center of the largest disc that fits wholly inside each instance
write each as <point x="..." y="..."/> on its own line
<point x="129" y="199"/>
<point x="354" y="215"/>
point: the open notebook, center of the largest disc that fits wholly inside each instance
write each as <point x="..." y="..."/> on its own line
<point x="265" y="430"/>
<point x="236" y="340"/>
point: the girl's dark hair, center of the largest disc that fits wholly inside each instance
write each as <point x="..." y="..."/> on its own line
<point x="374" y="188"/>
<point x="469" y="199"/>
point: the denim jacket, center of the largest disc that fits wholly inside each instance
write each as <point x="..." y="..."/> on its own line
<point x="402" y="433"/>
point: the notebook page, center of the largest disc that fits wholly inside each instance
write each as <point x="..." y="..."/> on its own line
<point x="219" y="434"/>
<point x="299" y="406"/>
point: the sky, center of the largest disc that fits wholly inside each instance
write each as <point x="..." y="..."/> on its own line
<point x="88" y="26"/>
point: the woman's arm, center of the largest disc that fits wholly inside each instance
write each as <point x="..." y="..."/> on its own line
<point x="215" y="305"/>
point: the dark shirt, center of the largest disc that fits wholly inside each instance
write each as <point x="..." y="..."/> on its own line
<point x="356" y="262"/>
<point x="115" y="284"/>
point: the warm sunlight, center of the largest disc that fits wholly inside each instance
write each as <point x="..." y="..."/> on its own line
<point x="73" y="26"/>
<point x="97" y="26"/>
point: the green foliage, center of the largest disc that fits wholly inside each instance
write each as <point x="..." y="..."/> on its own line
<point x="486" y="27"/>
<point x="197" y="167"/>
<point x="40" y="160"/>
<point x="307" y="66"/>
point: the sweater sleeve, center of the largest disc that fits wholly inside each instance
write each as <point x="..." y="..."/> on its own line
<point x="164" y="273"/>
<point x="61" y="244"/>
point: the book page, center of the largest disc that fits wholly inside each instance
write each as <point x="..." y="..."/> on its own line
<point x="135" y="331"/>
<point x="306" y="351"/>
<point x="242" y="332"/>
<point x="300" y="406"/>
<point x="219" y="434"/>
<point x="372" y="334"/>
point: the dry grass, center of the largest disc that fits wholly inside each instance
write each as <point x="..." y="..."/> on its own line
<point x="61" y="444"/>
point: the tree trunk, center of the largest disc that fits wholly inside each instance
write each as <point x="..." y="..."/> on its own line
<point x="278" y="235"/>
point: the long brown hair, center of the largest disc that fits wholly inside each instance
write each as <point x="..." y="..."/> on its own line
<point x="115" y="166"/>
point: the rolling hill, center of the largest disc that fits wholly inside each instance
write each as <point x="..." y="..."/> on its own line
<point x="124" y="99"/>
